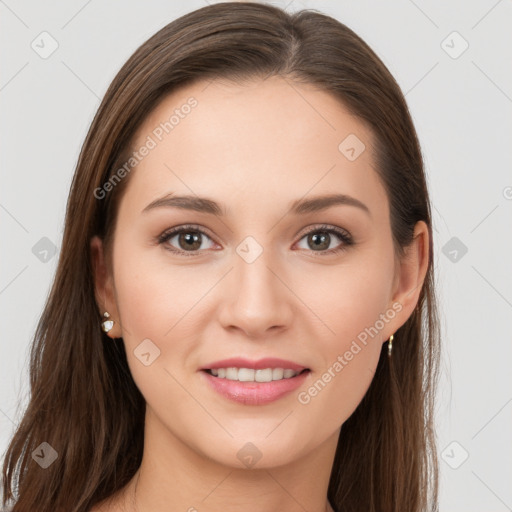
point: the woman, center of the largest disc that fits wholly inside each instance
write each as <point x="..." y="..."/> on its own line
<point x="243" y="313"/>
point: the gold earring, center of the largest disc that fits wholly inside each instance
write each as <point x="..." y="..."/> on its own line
<point x="390" y="345"/>
<point x="107" y="324"/>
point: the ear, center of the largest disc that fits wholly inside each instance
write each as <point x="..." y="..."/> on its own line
<point x="104" y="286"/>
<point x="410" y="275"/>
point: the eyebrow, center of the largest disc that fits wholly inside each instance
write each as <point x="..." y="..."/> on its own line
<point x="298" y="207"/>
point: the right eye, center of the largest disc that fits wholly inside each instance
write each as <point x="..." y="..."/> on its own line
<point x="188" y="238"/>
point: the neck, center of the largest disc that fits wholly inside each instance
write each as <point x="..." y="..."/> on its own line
<point x="173" y="474"/>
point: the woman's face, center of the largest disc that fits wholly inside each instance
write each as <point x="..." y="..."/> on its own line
<point x="256" y="275"/>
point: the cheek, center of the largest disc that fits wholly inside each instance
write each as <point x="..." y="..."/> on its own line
<point x="358" y="307"/>
<point x="153" y="295"/>
<point x="355" y="307"/>
<point x="350" y="357"/>
<point x="349" y="299"/>
<point x="153" y="306"/>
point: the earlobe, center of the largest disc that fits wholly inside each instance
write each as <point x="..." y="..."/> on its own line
<point x="412" y="270"/>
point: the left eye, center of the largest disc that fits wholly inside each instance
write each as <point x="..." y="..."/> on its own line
<point x="321" y="239"/>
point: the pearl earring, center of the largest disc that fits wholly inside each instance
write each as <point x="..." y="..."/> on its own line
<point x="107" y="324"/>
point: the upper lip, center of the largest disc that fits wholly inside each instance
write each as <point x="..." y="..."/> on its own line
<point x="260" y="364"/>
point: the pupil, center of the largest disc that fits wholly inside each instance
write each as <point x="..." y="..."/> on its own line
<point x="318" y="240"/>
<point x="192" y="240"/>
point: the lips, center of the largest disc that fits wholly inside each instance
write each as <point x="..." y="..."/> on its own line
<point x="254" y="393"/>
<point x="268" y="362"/>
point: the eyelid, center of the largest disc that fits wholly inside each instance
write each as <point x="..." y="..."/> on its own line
<point x="327" y="227"/>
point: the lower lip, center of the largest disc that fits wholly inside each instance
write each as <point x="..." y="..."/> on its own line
<point x="255" y="393"/>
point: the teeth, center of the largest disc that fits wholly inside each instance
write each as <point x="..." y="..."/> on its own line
<point x="250" y="375"/>
<point x="243" y="375"/>
<point x="277" y="373"/>
<point x="263" y="375"/>
<point x="232" y="374"/>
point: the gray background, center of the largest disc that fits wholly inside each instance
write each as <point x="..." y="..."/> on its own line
<point x="461" y="102"/>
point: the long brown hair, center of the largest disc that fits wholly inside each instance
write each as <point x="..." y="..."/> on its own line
<point x="84" y="402"/>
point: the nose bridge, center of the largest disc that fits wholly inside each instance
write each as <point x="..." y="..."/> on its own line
<point x="258" y="300"/>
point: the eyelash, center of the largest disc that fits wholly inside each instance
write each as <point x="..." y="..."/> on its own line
<point x="342" y="234"/>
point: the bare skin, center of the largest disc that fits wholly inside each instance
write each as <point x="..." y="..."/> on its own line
<point x="254" y="149"/>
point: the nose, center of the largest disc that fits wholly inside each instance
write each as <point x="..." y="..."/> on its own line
<point x="257" y="300"/>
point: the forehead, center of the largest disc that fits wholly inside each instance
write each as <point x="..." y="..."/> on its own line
<point x="274" y="138"/>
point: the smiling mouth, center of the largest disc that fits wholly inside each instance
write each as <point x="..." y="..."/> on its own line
<point x="251" y="375"/>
